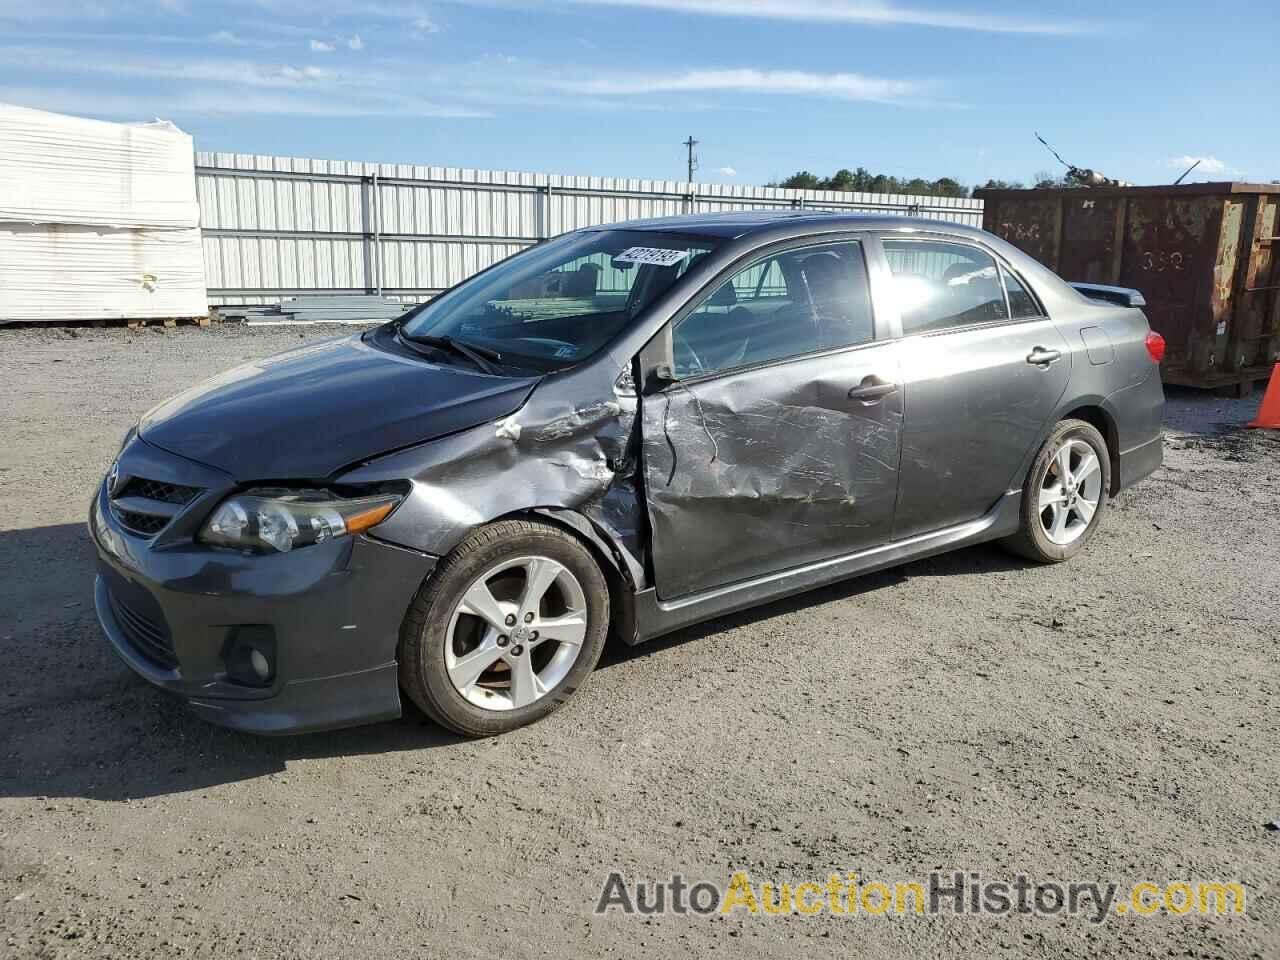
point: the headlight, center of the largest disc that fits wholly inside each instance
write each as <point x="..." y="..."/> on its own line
<point x="279" y="521"/>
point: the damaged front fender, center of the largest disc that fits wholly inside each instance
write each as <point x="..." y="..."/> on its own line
<point x="566" y="459"/>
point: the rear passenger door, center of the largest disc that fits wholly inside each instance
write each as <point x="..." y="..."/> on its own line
<point x="984" y="369"/>
<point x="777" y="443"/>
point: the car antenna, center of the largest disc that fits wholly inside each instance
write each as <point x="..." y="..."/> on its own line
<point x="1187" y="171"/>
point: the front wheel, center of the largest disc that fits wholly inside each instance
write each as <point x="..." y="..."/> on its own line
<point x="1065" y="494"/>
<point x="505" y="629"/>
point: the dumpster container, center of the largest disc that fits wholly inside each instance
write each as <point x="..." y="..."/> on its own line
<point x="1202" y="254"/>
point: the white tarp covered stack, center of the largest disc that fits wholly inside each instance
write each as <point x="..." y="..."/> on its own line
<point x="97" y="220"/>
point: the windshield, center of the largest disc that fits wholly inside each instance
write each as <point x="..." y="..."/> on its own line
<point x="555" y="304"/>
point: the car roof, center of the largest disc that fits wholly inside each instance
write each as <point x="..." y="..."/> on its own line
<point x="741" y="223"/>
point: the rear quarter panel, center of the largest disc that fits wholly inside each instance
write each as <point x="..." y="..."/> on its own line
<point x="1112" y="370"/>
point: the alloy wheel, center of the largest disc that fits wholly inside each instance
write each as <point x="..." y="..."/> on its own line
<point x="516" y="633"/>
<point x="1070" y="492"/>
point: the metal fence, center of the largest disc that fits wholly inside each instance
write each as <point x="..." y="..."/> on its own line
<point x="278" y="227"/>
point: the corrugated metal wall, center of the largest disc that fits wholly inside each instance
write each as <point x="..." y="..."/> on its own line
<point x="281" y="226"/>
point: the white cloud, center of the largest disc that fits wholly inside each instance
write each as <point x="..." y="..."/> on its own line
<point x="1208" y="164"/>
<point x="860" y="11"/>
<point x="239" y="72"/>
<point x="354" y="42"/>
<point x="214" y="103"/>
<point x="843" y="86"/>
<point x="726" y="171"/>
<point x="425" y="24"/>
<point x="223" y="38"/>
<point x="1209" y="167"/>
<point x="216" y="86"/>
<point x="225" y="77"/>
<point x="321" y="46"/>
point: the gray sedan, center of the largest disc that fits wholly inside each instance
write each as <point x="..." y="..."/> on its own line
<point x="622" y="431"/>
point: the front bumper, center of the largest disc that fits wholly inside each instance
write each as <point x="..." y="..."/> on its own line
<point x="330" y="614"/>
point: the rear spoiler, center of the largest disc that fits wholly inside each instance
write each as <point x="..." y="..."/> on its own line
<point x="1120" y="296"/>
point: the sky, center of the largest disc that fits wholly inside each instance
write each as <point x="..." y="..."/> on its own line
<point x="612" y="87"/>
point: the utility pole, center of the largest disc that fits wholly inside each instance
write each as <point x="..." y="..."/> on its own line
<point x="693" y="159"/>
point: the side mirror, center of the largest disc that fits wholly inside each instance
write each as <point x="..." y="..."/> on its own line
<point x="657" y="364"/>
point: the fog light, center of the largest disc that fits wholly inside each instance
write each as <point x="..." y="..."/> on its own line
<point x="249" y="655"/>
<point x="260" y="665"/>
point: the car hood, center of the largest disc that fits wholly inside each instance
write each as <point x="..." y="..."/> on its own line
<point x="308" y="413"/>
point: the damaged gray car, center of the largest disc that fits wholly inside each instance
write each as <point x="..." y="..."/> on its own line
<point x="622" y="431"/>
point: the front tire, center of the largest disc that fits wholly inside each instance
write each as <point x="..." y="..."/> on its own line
<point x="505" y="630"/>
<point x="1065" y="494"/>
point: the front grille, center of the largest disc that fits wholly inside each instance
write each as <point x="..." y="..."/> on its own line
<point x="143" y="524"/>
<point x="145" y="507"/>
<point x="147" y="637"/>
<point x="158" y="490"/>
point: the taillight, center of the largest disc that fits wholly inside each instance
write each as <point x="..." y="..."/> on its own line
<point x="1155" y="346"/>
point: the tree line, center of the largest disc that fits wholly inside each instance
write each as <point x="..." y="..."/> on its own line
<point x="863" y="180"/>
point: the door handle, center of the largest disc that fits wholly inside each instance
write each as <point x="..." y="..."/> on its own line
<point x="872" y="390"/>
<point x="1042" y="357"/>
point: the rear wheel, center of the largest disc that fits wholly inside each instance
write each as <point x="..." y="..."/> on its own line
<point x="505" y="630"/>
<point x="1065" y="494"/>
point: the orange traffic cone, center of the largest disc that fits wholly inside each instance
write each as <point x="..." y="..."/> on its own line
<point x="1269" y="413"/>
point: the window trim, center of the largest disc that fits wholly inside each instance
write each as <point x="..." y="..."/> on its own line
<point x="883" y="237"/>
<point x="1040" y="313"/>
<point x="879" y="325"/>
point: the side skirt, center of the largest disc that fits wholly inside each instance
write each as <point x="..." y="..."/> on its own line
<point x="654" y="617"/>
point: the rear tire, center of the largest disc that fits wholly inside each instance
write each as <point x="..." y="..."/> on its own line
<point x="1065" y="494"/>
<point x="508" y="626"/>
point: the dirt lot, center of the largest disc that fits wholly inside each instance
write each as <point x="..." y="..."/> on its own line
<point x="1111" y="718"/>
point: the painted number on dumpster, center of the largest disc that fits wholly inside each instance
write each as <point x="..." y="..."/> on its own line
<point x="1158" y="261"/>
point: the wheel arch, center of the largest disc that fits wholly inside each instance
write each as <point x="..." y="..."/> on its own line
<point x="608" y="554"/>
<point x="1096" y="415"/>
<point x="1094" y="411"/>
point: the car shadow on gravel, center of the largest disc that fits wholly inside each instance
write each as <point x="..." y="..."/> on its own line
<point x="75" y="722"/>
<point x="983" y="558"/>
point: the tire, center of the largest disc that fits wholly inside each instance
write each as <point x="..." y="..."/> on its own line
<point x="1041" y="537"/>
<point x="445" y="637"/>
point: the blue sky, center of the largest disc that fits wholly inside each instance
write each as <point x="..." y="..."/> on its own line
<point x="612" y="87"/>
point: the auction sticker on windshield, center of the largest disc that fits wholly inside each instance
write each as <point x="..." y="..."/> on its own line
<point x="654" y="255"/>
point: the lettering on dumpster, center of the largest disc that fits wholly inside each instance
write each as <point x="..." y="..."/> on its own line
<point x="1158" y="261"/>
<point x="1015" y="231"/>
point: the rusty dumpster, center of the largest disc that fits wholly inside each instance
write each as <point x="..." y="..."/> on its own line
<point x="1202" y="254"/>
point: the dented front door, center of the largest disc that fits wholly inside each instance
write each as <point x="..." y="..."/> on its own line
<point x="772" y="467"/>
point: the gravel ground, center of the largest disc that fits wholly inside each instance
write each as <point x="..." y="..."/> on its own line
<point x="1110" y="718"/>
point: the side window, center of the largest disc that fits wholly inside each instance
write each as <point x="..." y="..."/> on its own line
<point x="940" y="285"/>
<point x="791" y="303"/>
<point x="1021" y="304"/>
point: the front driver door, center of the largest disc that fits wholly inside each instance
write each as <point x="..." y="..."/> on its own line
<point x="778" y="443"/>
